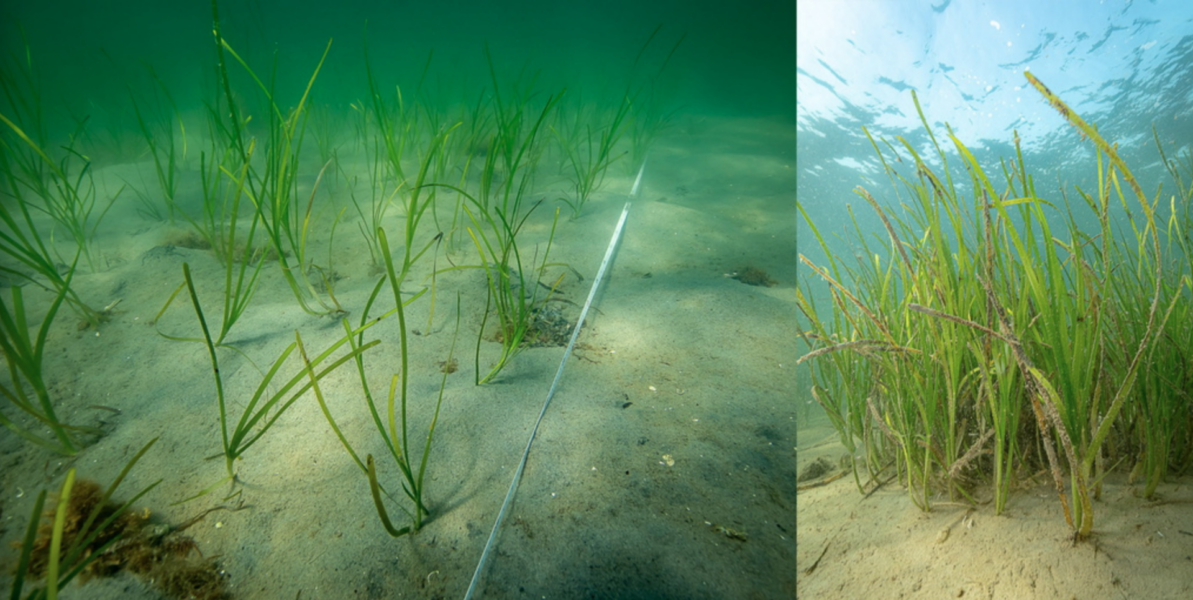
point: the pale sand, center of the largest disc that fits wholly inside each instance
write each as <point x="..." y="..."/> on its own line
<point x="884" y="547"/>
<point x="705" y="361"/>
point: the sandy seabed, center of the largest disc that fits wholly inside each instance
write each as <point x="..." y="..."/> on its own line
<point x="882" y="546"/>
<point x="663" y="469"/>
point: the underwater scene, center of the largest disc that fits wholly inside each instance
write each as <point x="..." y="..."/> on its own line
<point x="306" y="300"/>
<point x="995" y="299"/>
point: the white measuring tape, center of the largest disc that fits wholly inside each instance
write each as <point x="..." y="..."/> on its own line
<point x="596" y="283"/>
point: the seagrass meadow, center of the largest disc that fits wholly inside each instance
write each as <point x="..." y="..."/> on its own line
<point x="1098" y="336"/>
<point x="996" y="356"/>
<point x="285" y="286"/>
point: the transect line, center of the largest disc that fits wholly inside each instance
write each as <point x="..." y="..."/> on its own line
<point x="596" y="283"/>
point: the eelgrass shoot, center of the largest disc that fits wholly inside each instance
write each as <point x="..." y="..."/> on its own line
<point x="386" y="133"/>
<point x="648" y="117"/>
<point x="67" y="193"/>
<point x="588" y="144"/>
<point x="32" y="258"/>
<point x="24" y="172"/>
<point x="372" y="212"/>
<point x="419" y="197"/>
<point x="220" y="227"/>
<point x="271" y="182"/>
<point x="472" y="142"/>
<point x="588" y="138"/>
<point x="265" y="407"/>
<point x="396" y="125"/>
<point x="327" y="126"/>
<point x="394" y="426"/>
<point x="514" y="294"/>
<point x="514" y="148"/>
<point x="24" y="353"/>
<point x="497" y="210"/>
<point x="988" y="332"/>
<point x="166" y="151"/>
<point x="62" y="185"/>
<point x="1165" y="431"/>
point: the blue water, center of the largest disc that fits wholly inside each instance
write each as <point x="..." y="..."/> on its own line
<point x="1126" y="66"/>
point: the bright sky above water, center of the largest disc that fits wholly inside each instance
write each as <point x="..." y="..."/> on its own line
<point x="1125" y="66"/>
<point x="856" y="59"/>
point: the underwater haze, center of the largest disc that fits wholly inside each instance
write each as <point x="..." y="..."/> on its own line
<point x="735" y="60"/>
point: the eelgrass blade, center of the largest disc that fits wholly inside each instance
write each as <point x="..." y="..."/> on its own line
<point x="422" y="465"/>
<point x="18" y="581"/>
<point x="215" y="364"/>
<point x="25" y="356"/>
<point x="375" y="488"/>
<point x="323" y="404"/>
<point x="204" y="491"/>
<point x="395" y="284"/>
<point x="56" y="535"/>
